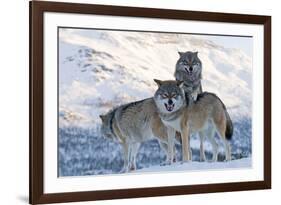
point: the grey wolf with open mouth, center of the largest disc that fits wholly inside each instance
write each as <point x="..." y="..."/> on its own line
<point x="132" y="124"/>
<point x="189" y="70"/>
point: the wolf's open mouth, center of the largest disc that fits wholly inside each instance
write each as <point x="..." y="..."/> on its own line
<point x="188" y="72"/>
<point x="169" y="107"/>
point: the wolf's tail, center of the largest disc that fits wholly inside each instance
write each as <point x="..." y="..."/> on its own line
<point x="229" y="126"/>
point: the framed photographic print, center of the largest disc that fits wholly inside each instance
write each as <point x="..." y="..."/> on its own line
<point x="139" y="102"/>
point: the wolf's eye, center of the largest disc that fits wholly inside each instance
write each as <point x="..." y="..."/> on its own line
<point x="184" y="62"/>
<point x="174" y="95"/>
<point x="164" y="96"/>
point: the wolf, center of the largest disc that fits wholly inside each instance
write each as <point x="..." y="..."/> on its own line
<point x="134" y="123"/>
<point x="189" y="70"/>
<point x="205" y="116"/>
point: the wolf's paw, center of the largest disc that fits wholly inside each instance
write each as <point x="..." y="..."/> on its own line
<point x="202" y="160"/>
<point x="165" y="163"/>
<point x="214" y="159"/>
<point x="228" y="159"/>
<point x="124" y="170"/>
<point x="132" y="168"/>
<point x="187" y="161"/>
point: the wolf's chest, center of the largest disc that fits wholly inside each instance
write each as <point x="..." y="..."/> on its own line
<point x="175" y="124"/>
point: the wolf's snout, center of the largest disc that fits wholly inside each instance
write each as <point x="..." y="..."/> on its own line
<point x="170" y="102"/>
<point x="190" y="68"/>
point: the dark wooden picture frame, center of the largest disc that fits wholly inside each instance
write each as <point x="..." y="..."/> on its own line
<point x="37" y="9"/>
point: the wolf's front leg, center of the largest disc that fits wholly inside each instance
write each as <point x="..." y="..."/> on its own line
<point x="186" y="152"/>
<point x="171" y="144"/>
<point x="164" y="147"/>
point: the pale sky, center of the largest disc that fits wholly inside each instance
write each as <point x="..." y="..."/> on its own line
<point x="243" y="43"/>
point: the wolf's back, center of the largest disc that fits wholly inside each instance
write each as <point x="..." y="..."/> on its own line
<point x="135" y="114"/>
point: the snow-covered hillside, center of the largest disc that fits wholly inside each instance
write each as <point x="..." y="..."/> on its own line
<point x="99" y="70"/>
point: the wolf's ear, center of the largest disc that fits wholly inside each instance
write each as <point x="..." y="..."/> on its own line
<point x="102" y="117"/>
<point x="196" y="53"/>
<point x="180" y="83"/>
<point x="180" y="53"/>
<point x="159" y="82"/>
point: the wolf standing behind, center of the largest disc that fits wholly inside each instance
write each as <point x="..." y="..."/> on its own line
<point x="206" y="116"/>
<point x="134" y="123"/>
<point x="189" y="70"/>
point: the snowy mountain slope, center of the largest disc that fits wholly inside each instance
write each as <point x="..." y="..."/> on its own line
<point x="101" y="69"/>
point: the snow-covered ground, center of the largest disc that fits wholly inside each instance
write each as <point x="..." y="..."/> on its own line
<point x="102" y="69"/>
<point x="191" y="166"/>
